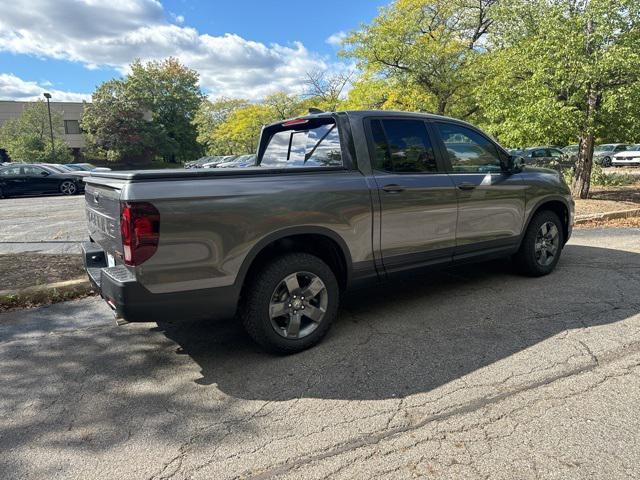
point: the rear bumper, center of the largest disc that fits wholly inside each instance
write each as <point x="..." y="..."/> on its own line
<point x="131" y="301"/>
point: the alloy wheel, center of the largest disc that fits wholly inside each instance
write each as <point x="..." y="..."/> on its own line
<point x="68" y="188"/>
<point x="298" y="305"/>
<point x="547" y="243"/>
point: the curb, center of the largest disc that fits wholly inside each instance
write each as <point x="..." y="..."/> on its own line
<point x="635" y="212"/>
<point x="44" y="294"/>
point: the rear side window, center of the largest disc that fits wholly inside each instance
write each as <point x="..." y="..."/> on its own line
<point x="402" y="146"/>
<point x="10" y="172"/>
<point x="469" y="151"/>
<point x="318" y="146"/>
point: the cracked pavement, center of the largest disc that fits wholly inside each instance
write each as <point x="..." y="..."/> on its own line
<point x="467" y="373"/>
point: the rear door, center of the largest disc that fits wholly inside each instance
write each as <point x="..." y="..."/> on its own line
<point x="417" y="198"/>
<point x="490" y="201"/>
<point x="12" y="180"/>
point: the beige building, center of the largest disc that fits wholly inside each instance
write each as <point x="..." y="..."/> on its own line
<point x="70" y="111"/>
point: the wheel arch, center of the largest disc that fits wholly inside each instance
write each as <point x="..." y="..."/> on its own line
<point x="557" y="205"/>
<point x="321" y="242"/>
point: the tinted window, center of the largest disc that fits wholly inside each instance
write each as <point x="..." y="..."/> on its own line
<point x="313" y="147"/>
<point x="555" y="153"/>
<point x="541" y="152"/>
<point x="468" y="150"/>
<point x="10" y="172"/>
<point x="31" y="170"/>
<point x="620" y="148"/>
<point x="402" y="146"/>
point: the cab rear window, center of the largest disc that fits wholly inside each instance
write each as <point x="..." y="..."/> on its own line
<point x="309" y="144"/>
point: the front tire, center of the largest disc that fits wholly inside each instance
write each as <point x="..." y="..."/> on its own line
<point x="541" y="246"/>
<point x="289" y="305"/>
<point x="606" y="162"/>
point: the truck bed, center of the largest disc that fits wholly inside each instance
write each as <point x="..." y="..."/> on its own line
<point x="180" y="173"/>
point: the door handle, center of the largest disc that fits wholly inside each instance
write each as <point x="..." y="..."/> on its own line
<point x="466" y="186"/>
<point x="393" y="188"/>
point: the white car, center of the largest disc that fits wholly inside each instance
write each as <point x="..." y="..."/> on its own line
<point x="631" y="156"/>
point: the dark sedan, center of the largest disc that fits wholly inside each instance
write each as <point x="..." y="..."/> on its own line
<point x="30" y="179"/>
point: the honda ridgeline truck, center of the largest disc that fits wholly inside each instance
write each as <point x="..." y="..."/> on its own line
<point x="334" y="199"/>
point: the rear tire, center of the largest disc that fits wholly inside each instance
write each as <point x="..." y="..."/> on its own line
<point x="541" y="246"/>
<point x="68" y="188"/>
<point x="606" y="162"/>
<point x="280" y="300"/>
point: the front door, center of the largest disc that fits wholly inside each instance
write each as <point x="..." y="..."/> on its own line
<point x="40" y="180"/>
<point x="418" y="202"/>
<point x="491" y="201"/>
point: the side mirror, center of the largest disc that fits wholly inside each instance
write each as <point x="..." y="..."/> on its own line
<point x="44" y="174"/>
<point x="515" y="163"/>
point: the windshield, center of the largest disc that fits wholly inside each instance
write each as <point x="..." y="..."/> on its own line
<point x="634" y="148"/>
<point x="604" y="148"/>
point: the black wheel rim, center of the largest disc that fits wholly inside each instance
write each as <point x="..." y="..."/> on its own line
<point x="298" y="305"/>
<point x="547" y="244"/>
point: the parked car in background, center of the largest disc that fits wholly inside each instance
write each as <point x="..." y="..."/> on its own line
<point x="545" y="156"/>
<point x="30" y="179"/>
<point x="241" y="161"/>
<point x="571" y="151"/>
<point x="217" y="160"/>
<point x="335" y="199"/>
<point x="86" y="167"/>
<point x="603" y="154"/>
<point x="631" y="156"/>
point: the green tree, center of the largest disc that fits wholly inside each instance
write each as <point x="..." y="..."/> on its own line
<point x="146" y="114"/>
<point x="564" y="70"/>
<point x="27" y="138"/>
<point x="210" y="115"/>
<point x="115" y="125"/>
<point x="433" y="45"/>
<point x="170" y="91"/>
<point x="232" y="126"/>
<point x="240" y="132"/>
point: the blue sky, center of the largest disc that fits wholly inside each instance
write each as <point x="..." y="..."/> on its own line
<point x="242" y="48"/>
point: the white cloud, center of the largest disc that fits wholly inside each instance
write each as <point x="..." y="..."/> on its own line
<point x="15" y="88"/>
<point x="97" y="33"/>
<point x="335" y="39"/>
<point x="177" y="18"/>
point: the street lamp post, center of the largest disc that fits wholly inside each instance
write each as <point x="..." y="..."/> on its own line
<point x="53" y="148"/>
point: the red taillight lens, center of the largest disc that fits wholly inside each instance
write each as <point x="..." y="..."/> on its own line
<point x="140" y="231"/>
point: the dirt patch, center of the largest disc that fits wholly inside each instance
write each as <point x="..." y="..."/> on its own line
<point x="588" y="207"/>
<point x="633" y="222"/>
<point x="630" y="193"/>
<point x="30" y="269"/>
<point x="609" y="199"/>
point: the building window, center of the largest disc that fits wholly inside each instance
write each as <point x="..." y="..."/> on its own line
<point x="72" y="127"/>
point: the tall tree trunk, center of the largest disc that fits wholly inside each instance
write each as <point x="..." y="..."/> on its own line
<point x="582" y="178"/>
<point x="442" y="106"/>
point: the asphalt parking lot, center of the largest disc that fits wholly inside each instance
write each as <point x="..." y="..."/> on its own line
<point x="46" y="224"/>
<point x="469" y="373"/>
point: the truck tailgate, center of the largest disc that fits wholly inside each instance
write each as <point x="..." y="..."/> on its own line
<point x="102" y="202"/>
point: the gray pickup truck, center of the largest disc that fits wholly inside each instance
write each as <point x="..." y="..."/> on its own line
<point x="335" y="199"/>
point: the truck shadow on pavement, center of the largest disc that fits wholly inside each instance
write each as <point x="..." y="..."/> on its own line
<point x="415" y="335"/>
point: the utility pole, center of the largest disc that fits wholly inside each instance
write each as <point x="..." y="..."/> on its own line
<point x="53" y="148"/>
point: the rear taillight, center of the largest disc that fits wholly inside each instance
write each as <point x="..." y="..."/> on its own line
<point x="140" y="231"/>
